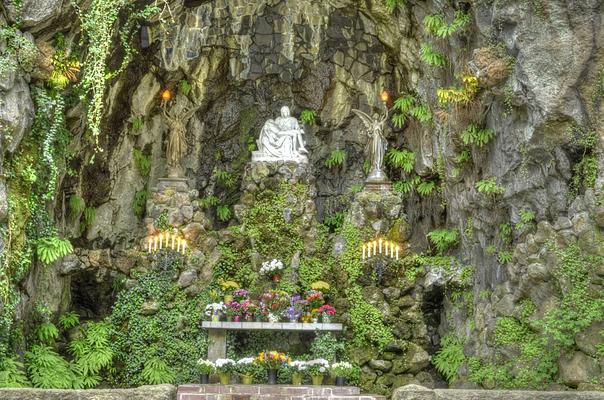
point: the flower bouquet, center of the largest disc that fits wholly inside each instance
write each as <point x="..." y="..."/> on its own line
<point x="225" y="367"/>
<point x="233" y="311"/>
<point x="272" y="269"/>
<point x="213" y="311"/>
<point x="295" y="309"/>
<point x="206" y="368"/>
<point x="274" y="302"/>
<point x="240" y="295"/>
<point x="272" y="361"/>
<point x="317" y="369"/>
<point x="227" y="287"/>
<point x="327" y="312"/>
<point x="342" y="371"/>
<point x="250" y="311"/>
<point x="245" y="368"/>
<point x="298" y="368"/>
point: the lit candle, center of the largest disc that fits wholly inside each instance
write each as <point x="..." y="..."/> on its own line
<point x="386" y="248"/>
<point x="178" y="246"/>
<point x="161" y="239"/>
<point x="391" y="250"/>
<point x="155" y="244"/>
<point x="380" y="242"/>
<point x="397" y="252"/>
<point x="173" y="237"/>
<point x="363" y="251"/>
<point x="184" y="246"/>
<point x="374" y="247"/>
<point x="150" y="241"/>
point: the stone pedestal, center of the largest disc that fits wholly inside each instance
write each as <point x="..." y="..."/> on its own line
<point x="377" y="181"/>
<point x="383" y="212"/>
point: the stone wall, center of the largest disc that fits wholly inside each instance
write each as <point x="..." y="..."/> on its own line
<point x="160" y="392"/>
<point x="415" y="392"/>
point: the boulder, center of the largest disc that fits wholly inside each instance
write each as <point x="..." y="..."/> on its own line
<point x="592" y="336"/>
<point x="381" y="365"/>
<point x="577" y="367"/>
<point x="413" y="392"/>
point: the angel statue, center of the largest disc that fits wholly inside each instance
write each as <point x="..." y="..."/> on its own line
<point x="177" y="147"/>
<point x="376" y="146"/>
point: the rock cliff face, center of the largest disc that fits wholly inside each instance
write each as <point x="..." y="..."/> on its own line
<point x="532" y="236"/>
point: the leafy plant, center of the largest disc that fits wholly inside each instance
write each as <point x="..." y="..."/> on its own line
<point x="425" y="188"/>
<point x="47" y="369"/>
<point x="89" y="217"/>
<point x="443" y="239"/>
<point x="142" y="162"/>
<point x="223" y="212"/>
<point x="505" y="233"/>
<point x="12" y="374"/>
<point x="76" y="205"/>
<point x="463" y="157"/>
<point x="432" y="56"/>
<point x="137" y="123"/>
<point x="69" y="320"/>
<point x="209" y="201"/>
<point x="585" y="173"/>
<point x="403" y="159"/>
<point x="436" y="24"/>
<point x="459" y="95"/>
<point x="407" y="105"/>
<point x="139" y="202"/>
<point x="225" y="178"/>
<point x="47" y="332"/>
<point x="407" y="186"/>
<point x="336" y="158"/>
<point x="156" y="372"/>
<point x="504" y="257"/>
<point x="51" y="248"/>
<point x="64" y="70"/>
<point x="475" y="135"/>
<point x="184" y="87"/>
<point x="335" y="221"/>
<point x="393" y="4"/>
<point x="489" y="187"/>
<point x="308" y="117"/>
<point x="449" y="358"/>
<point x="93" y="353"/>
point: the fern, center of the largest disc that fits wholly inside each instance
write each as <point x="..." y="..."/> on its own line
<point x="504" y="257"/>
<point x="139" y="203"/>
<point x="505" y="233"/>
<point x="208" y="201"/>
<point x="12" y="374"/>
<point x="425" y="188"/>
<point x="308" y="117"/>
<point x="334" y="221"/>
<point x="436" y="24"/>
<point x="69" y="320"/>
<point x="404" y="103"/>
<point x="157" y="372"/>
<point x="336" y="158"/>
<point x="89" y="217"/>
<point x="449" y="358"/>
<point x="224" y="213"/>
<point x="47" y="369"/>
<point x="184" y="87"/>
<point x="398" y="120"/>
<point x="225" y="178"/>
<point x="137" y="123"/>
<point x="459" y="95"/>
<point x="463" y="157"/>
<point x="93" y="353"/>
<point x="475" y="135"/>
<point x="421" y="113"/>
<point x="443" y="239"/>
<point x="431" y="56"/>
<point x="393" y="4"/>
<point x="489" y="187"/>
<point x="403" y="159"/>
<point x="76" y="205"/>
<point x="406" y="106"/>
<point x="47" y="332"/>
<point x="51" y="248"/>
<point x="406" y="187"/>
<point x="142" y="162"/>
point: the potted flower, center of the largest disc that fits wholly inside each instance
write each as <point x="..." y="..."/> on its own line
<point x="298" y="368"/>
<point x="295" y="309"/>
<point x="342" y="371"/>
<point x="272" y="268"/>
<point x="245" y="368"/>
<point x="273" y="303"/>
<point x="240" y="295"/>
<point x="326" y="311"/>
<point x="233" y="311"/>
<point x="314" y="299"/>
<point x="214" y="310"/>
<point x="227" y="288"/>
<point x="250" y="311"/>
<point x="272" y="361"/>
<point x="317" y="369"/>
<point x="206" y="368"/>
<point x="225" y="367"/>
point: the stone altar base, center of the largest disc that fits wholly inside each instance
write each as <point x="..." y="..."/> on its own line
<point x="281" y="392"/>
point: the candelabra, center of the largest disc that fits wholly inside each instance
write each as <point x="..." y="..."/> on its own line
<point x="166" y="240"/>
<point x="380" y="252"/>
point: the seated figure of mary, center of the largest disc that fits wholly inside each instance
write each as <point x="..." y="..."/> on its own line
<point x="281" y="140"/>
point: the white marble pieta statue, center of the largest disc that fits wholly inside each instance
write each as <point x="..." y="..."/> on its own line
<point x="281" y="140"/>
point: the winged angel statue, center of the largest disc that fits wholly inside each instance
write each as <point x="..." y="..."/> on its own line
<point x="377" y="145"/>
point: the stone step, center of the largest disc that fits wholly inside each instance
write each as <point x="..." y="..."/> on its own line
<point x="271" y="392"/>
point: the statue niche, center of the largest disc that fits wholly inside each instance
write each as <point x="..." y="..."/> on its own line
<point x="281" y="140"/>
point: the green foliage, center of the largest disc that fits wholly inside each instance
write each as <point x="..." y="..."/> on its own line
<point x="436" y="24"/>
<point x="403" y="159"/>
<point x="527" y="220"/>
<point x="47" y="333"/>
<point x="489" y="187"/>
<point x="225" y="178"/>
<point x="443" y="239"/>
<point x="393" y="4"/>
<point x="47" y="369"/>
<point x="51" y="248"/>
<point x="12" y="374"/>
<point x="69" y="320"/>
<point x="157" y="372"/>
<point x="142" y="162"/>
<point x="139" y="203"/>
<point x="308" y="117"/>
<point x="425" y="188"/>
<point x="184" y="87"/>
<point x="475" y="135"/>
<point x="504" y="257"/>
<point x="334" y="221"/>
<point x="463" y="157"/>
<point x="585" y="173"/>
<point x="137" y="123"/>
<point x="19" y="50"/>
<point x="89" y="217"/>
<point x="223" y="212"/>
<point x="326" y="346"/>
<point x="336" y="158"/>
<point x="77" y="205"/>
<point x="460" y="95"/>
<point x="449" y="358"/>
<point x="406" y="187"/>
<point x="407" y="105"/>
<point x="505" y="233"/>
<point x="209" y="201"/>
<point x="431" y="56"/>
<point x="93" y="353"/>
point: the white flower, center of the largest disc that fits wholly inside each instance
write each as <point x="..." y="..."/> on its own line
<point x="322" y="369"/>
<point x="298" y="365"/>
<point x="319" y="361"/>
<point x="205" y="362"/>
<point x="342" y="365"/>
<point x="245" y="361"/>
<point x="222" y="362"/>
<point x="272" y="266"/>
<point x="214" y="308"/>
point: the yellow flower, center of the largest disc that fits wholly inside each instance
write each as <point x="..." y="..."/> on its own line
<point x="320" y="285"/>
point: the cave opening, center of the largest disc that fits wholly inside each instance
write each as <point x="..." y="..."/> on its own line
<point x="93" y="293"/>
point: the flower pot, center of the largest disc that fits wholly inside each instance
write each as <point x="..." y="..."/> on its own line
<point x="237" y="318"/>
<point x="229" y="318"/>
<point x="225" y="378"/>
<point x="247" y="379"/>
<point x="296" y="379"/>
<point x="317" y="380"/>
<point x="293" y="320"/>
<point x="276" y="278"/>
<point x="315" y="320"/>
<point x="272" y="376"/>
<point x="204" y="379"/>
<point x="215" y="317"/>
<point x="258" y="318"/>
<point x="340" y="381"/>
